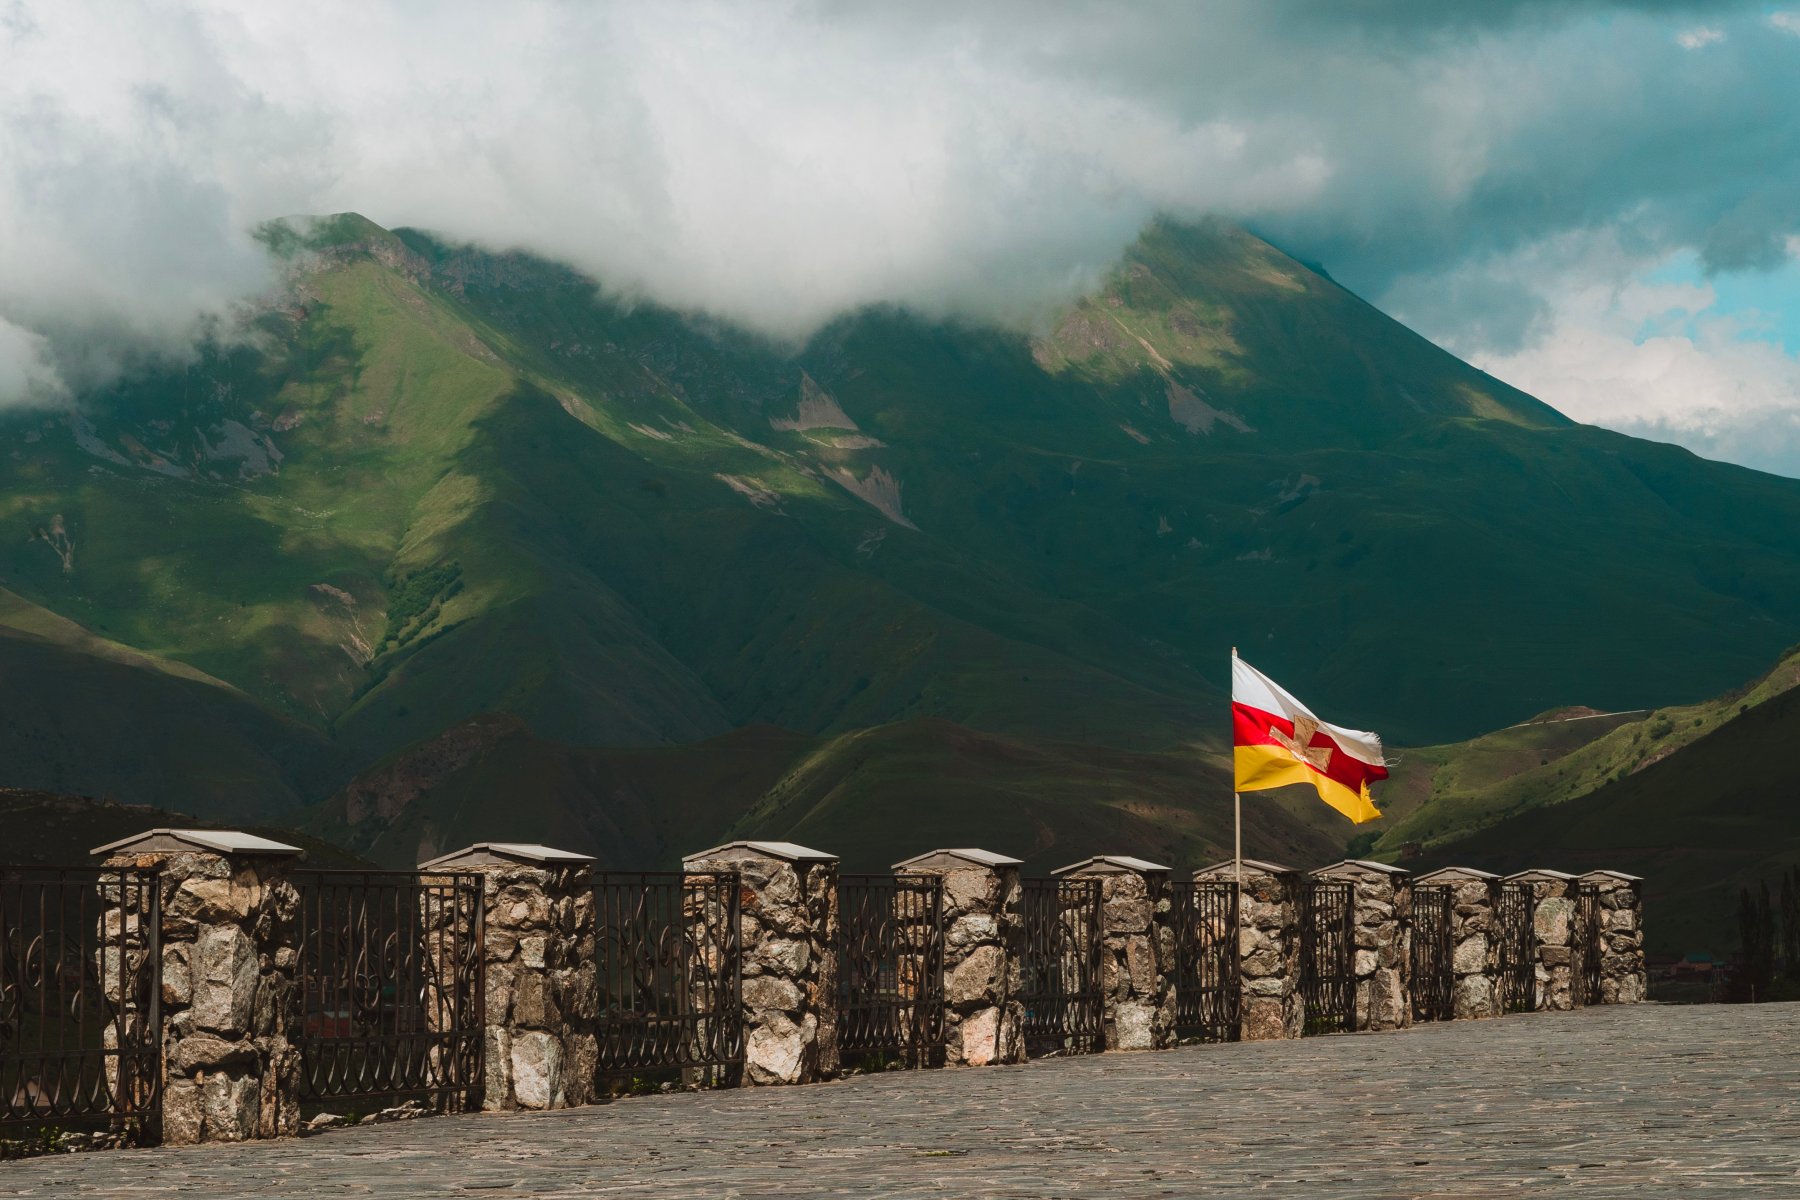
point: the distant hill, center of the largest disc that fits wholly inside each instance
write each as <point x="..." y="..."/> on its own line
<point x="987" y="581"/>
<point x="1701" y="800"/>
<point x="872" y="796"/>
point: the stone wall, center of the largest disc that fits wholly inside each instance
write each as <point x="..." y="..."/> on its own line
<point x="1553" y="930"/>
<point x="1270" y="1005"/>
<point x="1623" y="977"/>
<point x="540" y="1051"/>
<point x="1138" y="959"/>
<point x="788" y="924"/>
<point x="1382" y="898"/>
<point x="1473" y="955"/>
<point x="984" y="936"/>
<point x="228" y="960"/>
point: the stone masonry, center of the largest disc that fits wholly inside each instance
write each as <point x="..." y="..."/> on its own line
<point x="984" y="936"/>
<point x="229" y="954"/>
<point x="1623" y="977"/>
<point x="1382" y="896"/>
<point x="538" y="907"/>
<point x="1138" y="960"/>
<point x="788" y="925"/>
<point x="1268" y="950"/>
<point x="1553" y="929"/>
<point x="1472" y="951"/>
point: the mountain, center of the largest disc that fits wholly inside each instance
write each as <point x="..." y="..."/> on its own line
<point x="1699" y="823"/>
<point x="430" y="490"/>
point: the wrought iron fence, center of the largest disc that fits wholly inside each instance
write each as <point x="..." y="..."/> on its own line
<point x="1327" y="955"/>
<point x="1433" y="952"/>
<point x="1205" y="926"/>
<point x="80" y="1000"/>
<point x="1515" y="947"/>
<point x="891" y="967"/>
<point x="1584" y="937"/>
<point x="1060" y="986"/>
<point x="670" y="971"/>
<point x="390" y="979"/>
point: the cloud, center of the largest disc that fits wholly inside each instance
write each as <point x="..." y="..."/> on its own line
<point x="1643" y="347"/>
<point x="1700" y="35"/>
<point x="778" y="163"/>
<point x="1786" y="22"/>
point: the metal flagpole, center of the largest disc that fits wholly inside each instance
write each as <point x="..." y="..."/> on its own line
<point x="1237" y="807"/>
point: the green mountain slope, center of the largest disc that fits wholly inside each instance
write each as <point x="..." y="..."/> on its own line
<point x="871" y="796"/>
<point x="438" y="485"/>
<point x="1440" y="794"/>
<point x="1699" y="824"/>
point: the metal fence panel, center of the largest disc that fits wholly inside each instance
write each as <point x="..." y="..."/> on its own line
<point x="1515" y="955"/>
<point x="391" y="986"/>
<point x="1584" y="938"/>
<point x="1433" y="952"/>
<point x="80" y="1000"/>
<point x="670" y="970"/>
<point x="891" y="967"/>
<point x="1205" y="927"/>
<point x="1327" y="955"/>
<point x="1060" y="972"/>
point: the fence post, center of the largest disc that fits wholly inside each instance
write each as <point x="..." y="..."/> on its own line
<point x="1138" y="959"/>
<point x="1552" y="927"/>
<point x="984" y="932"/>
<point x="1270" y="1005"/>
<point x="229" y="947"/>
<point x="1473" y="948"/>
<point x="789" y="924"/>
<point x="1623" y="978"/>
<point x="1382" y="897"/>
<point x="538" y="1043"/>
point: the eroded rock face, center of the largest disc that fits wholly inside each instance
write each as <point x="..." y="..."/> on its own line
<point x="229" y="932"/>
<point x="983" y="939"/>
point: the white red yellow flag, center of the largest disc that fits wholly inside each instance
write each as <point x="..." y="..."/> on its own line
<point x="1276" y="741"/>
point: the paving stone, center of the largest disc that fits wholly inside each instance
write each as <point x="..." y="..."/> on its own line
<point x="1643" y="1101"/>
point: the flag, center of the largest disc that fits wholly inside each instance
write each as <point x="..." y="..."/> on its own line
<point x="1276" y="740"/>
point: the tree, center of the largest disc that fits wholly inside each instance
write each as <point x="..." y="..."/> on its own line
<point x="1755" y="969"/>
<point x="1790" y="923"/>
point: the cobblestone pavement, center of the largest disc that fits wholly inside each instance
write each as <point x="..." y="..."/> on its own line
<point x="1641" y="1101"/>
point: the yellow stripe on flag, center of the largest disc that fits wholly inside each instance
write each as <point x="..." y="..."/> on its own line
<point x="1259" y="768"/>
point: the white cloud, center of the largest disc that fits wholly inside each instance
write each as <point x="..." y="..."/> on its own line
<point x="1700" y="35"/>
<point x="781" y="162"/>
<point x="1787" y="22"/>
<point x="1655" y="359"/>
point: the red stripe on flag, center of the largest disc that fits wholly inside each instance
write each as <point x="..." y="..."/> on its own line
<point x="1254" y="727"/>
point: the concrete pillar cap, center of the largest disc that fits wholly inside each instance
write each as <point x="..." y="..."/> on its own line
<point x="490" y="854"/>
<point x="1113" y="863"/>
<point x="202" y="841"/>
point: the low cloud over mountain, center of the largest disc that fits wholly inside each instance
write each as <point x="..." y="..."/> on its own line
<point x="781" y="163"/>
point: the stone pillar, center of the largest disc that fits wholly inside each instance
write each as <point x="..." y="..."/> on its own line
<point x="1269" y="1005"/>
<point x="1623" y="977"/>
<point x="229" y="952"/>
<point x="1553" y="930"/>
<point x="538" y="946"/>
<point x="984" y="939"/>
<point x="1473" y="954"/>
<point x="1138" y="962"/>
<point x="789" y="930"/>
<point x="1382" y="896"/>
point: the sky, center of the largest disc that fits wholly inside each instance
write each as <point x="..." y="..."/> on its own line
<point x="1595" y="200"/>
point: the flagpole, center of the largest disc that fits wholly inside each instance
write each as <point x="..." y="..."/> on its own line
<point x="1237" y="812"/>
